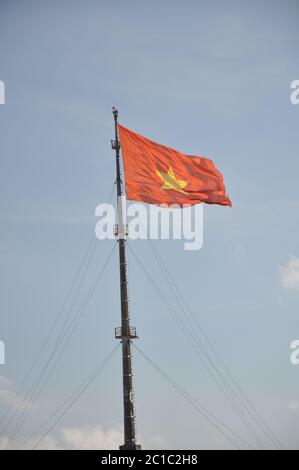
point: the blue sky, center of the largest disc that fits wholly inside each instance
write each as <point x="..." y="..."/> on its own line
<point x="206" y="78"/>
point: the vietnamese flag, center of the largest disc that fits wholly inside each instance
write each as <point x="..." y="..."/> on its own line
<point x="156" y="174"/>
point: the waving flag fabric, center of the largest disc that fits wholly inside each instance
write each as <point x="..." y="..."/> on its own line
<point x="156" y="174"/>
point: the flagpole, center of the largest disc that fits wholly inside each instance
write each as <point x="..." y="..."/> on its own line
<point x="125" y="333"/>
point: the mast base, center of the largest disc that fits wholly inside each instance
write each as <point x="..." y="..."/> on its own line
<point x="130" y="447"/>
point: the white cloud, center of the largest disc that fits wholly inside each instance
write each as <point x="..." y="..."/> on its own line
<point x="155" y="442"/>
<point x="3" y="442"/>
<point x="49" y="443"/>
<point x="294" y="405"/>
<point x="86" y="437"/>
<point x="91" y="437"/>
<point x="289" y="274"/>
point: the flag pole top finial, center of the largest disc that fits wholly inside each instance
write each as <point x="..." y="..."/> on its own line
<point x="115" y="111"/>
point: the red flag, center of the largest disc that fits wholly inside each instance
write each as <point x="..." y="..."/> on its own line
<point x="156" y="174"/>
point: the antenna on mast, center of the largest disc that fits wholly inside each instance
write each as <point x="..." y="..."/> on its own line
<point x="126" y="333"/>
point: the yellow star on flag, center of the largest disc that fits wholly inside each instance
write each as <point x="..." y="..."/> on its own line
<point x="171" y="182"/>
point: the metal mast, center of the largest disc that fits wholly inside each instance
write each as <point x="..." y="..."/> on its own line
<point x="125" y="333"/>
